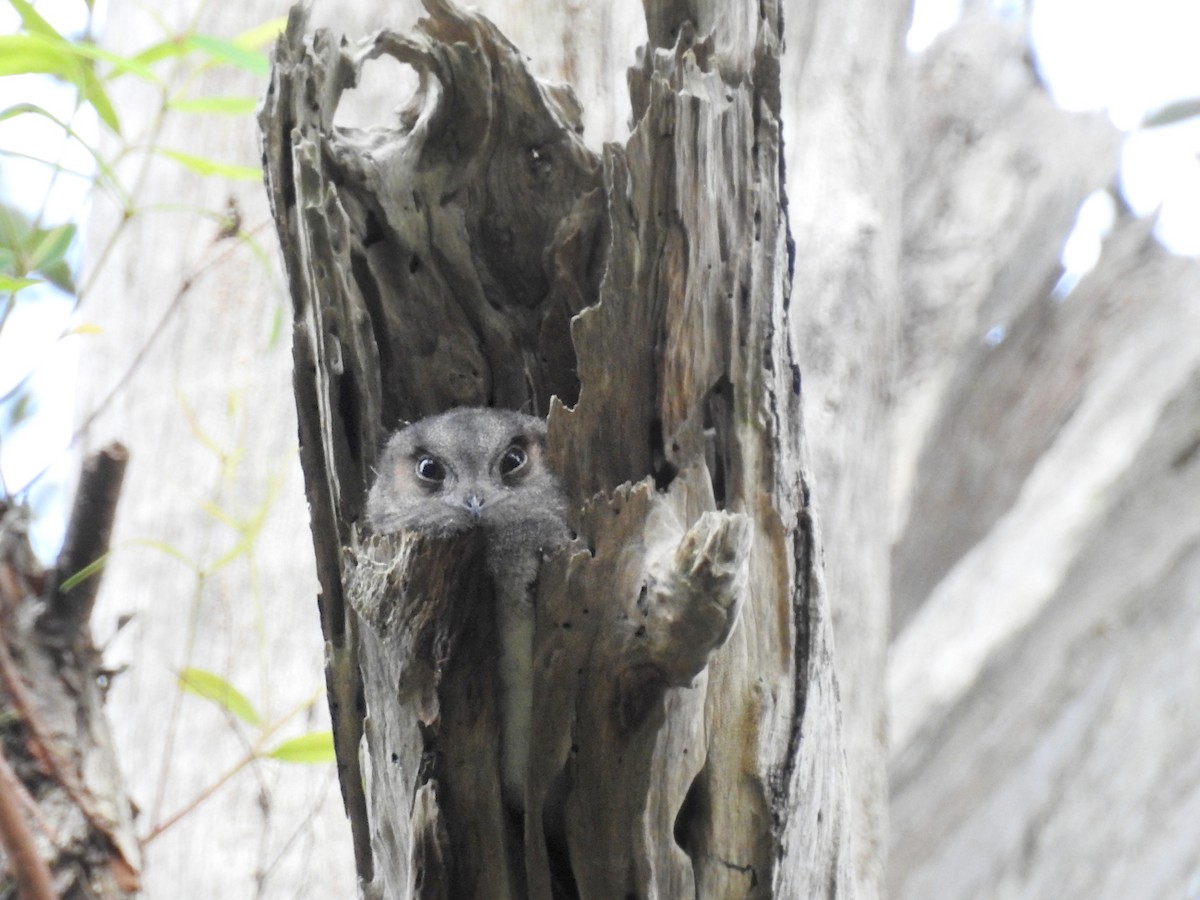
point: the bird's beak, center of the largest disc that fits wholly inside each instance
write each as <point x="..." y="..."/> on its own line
<point x="473" y="504"/>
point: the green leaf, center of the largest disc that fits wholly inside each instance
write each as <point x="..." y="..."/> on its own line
<point x="21" y="409"/>
<point x="228" y="52"/>
<point x="93" y="92"/>
<point x="313" y="747"/>
<point x="39" y="27"/>
<point x="24" y="54"/>
<point x="85" y="573"/>
<point x="50" y="246"/>
<point x="276" y="327"/>
<point x="207" y="167"/>
<point x="168" y="550"/>
<point x="107" y="176"/>
<point x="249" y="529"/>
<point x="33" y="21"/>
<point x="121" y="64"/>
<point x="219" y="514"/>
<point x="230" y="106"/>
<point x="60" y="275"/>
<point x="189" y="416"/>
<point x="14" y="226"/>
<point x="261" y="35"/>
<point x="19" y="109"/>
<point x="8" y="284"/>
<point x="46" y="253"/>
<point x="167" y="49"/>
<point x="242" y="548"/>
<point x="239" y="52"/>
<point x="214" y="688"/>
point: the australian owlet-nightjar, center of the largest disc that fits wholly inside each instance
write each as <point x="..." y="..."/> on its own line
<point x="483" y="468"/>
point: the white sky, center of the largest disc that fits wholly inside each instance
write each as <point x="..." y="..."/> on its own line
<point x="1127" y="58"/>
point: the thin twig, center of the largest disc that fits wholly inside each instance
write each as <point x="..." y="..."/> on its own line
<point x="33" y="877"/>
<point x="253" y="754"/>
<point x="17" y="788"/>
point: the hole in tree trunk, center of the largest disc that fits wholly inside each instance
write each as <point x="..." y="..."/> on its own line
<point x="718" y="411"/>
<point x="664" y="471"/>
<point x="693" y="812"/>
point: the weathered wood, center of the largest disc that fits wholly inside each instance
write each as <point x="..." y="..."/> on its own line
<point x="1043" y="747"/>
<point x="456" y="258"/>
<point x="643" y="609"/>
<point x="996" y="176"/>
<point x="1041" y="677"/>
<point x="61" y="780"/>
<point x="29" y="873"/>
<point x="395" y="316"/>
<point x="843" y="89"/>
<point x="429" y="639"/>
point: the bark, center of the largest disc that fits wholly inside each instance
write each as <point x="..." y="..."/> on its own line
<point x="66" y="823"/>
<point x="1047" y="649"/>
<point x="1040" y="746"/>
<point x="845" y="92"/>
<point x="477" y="253"/>
<point x="996" y="176"/>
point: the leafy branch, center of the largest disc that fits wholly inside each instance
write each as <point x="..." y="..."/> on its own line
<point x="35" y="255"/>
<point x="314" y="747"/>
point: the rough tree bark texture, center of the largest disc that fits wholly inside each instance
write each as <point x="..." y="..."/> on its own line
<point x="844" y="99"/>
<point x="66" y="823"/>
<point x="478" y="253"/>
<point x="1048" y="573"/>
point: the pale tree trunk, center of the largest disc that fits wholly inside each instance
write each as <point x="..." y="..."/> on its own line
<point x="1049" y="561"/>
<point x="686" y="737"/>
<point x="845" y="94"/>
<point x="211" y="373"/>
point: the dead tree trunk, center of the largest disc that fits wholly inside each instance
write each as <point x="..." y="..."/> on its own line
<point x="685" y="737"/>
<point x="66" y="823"/>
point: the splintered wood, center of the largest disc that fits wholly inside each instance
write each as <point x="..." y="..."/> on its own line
<point x="684" y="739"/>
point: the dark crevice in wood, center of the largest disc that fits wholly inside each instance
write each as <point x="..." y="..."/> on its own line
<point x="718" y="412"/>
<point x="662" y="469"/>
<point x="695" y="810"/>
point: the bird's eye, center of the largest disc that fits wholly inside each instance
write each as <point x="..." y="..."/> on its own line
<point x="429" y="469"/>
<point x="513" y="460"/>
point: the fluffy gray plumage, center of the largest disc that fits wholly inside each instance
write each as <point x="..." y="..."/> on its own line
<point x="483" y="468"/>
